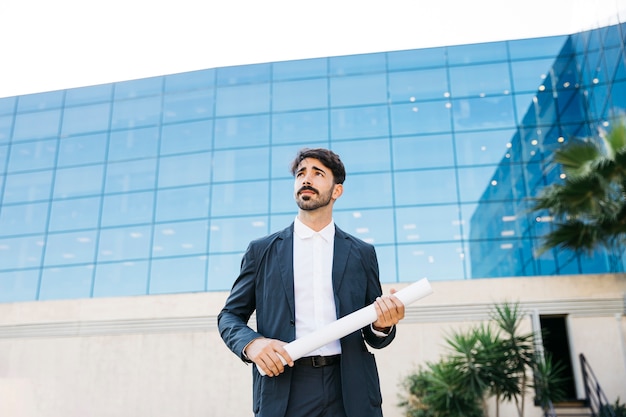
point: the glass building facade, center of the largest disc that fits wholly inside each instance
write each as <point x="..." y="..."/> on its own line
<point x="157" y="185"/>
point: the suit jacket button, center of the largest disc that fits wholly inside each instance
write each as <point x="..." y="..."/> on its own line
<point x="292" y="323"/>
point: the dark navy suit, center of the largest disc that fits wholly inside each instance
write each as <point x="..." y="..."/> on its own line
<point x="265" y="284"/>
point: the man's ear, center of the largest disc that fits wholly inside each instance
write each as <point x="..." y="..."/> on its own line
<point x="337" y="191"/>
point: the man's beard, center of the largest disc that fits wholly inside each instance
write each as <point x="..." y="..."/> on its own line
<point x="312" y="203"/>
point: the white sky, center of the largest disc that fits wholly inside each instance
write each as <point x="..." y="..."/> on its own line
<point x="48" y="45"/>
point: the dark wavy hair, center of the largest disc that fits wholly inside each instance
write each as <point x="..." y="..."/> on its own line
<point x="326" y="157"/>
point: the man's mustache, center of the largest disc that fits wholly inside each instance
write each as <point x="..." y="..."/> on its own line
<point x="309" y="188"/>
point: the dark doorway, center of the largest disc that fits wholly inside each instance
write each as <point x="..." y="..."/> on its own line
<point x="556" y="341"/>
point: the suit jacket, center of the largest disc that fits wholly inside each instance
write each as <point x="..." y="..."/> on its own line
<point x="265" y="284"/>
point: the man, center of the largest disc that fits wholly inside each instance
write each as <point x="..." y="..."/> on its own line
<point x="299" y="280"/>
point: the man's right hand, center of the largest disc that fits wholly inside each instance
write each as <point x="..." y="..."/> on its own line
<point x="267" y="353"/>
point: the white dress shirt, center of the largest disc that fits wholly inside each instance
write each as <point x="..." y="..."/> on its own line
<point x="313" y="282"/>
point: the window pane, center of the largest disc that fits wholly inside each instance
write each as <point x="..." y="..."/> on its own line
<point x="358" y="193"/>
<point x="40" y="101"/>
<point x="81" y="150"/>
<point x="180" y="238"/>
<point x="299" y="127"/>
<point x="66" y="182"/>
<point x="435" y="261"/>
<point x="423" y="152"/>
<point x="66" y="283"/>
<point x="387" y="264"/>
<point x="32" y="155"/>
<point x="357" y="64"/>
<point x="70" y="248"/>
<point x="131" y="176"/>
<point x="77" y="213"/>
<point x="134" y="143"/>
<point x="359" y="123"/>
<point x="234" y="234"/>
<point x="237" y="132"/>
<point x="425" y="117"/>
<point x="182" y="203"/>
<point x="240" y="198"/>
<point x="16" y="286"/>
<point x="529" y="75"/>
<point x="358" y="90"/>
<point x="296" y="95"/>
<point x="7" y="105"/>
<point x="479" y="52"/>
<point x="417" y="58"/>
<point x="243" y="164"/>
<point x="23" y="218"/>
<point x="6" y="124"/>
<point x="136" y="113"/>
<point x="428" y="224"/>
<point x="86" y="119"/>
<point x="38" y="125"/>
<point x="121" y="279"/>
<point x="32" y="186"/>
<point x="190" y="80"/>
<point x="304" y="68"/>
<point x="124" y="243"/>
<point x="186" y="137"/>
<point x="411" y="86"/>
<point x="480" y="80"/>
<point x="188" y="106"/>
<point x="185" y="170"/>
<point x="138" y="88"/>
<point x="374" y="157"/>
<point x="434" y="186"/>
<point x="91" y="94"/>
<point x="484" y="113"/>
<point x="223" y="269"/>
<point x="21" y="252"/>
<point x="178" y="275"/>
<point x="236" y="100"/>
<point x="127" y="208"/>
<point x="486" y="147"/>
<point x="372" y="226"/>
<point x="243" y="74"/>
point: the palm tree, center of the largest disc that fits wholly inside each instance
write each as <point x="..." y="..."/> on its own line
<point x="589" y="207"/>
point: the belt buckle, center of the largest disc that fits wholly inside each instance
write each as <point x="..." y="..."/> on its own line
<point x="317" y="361"/>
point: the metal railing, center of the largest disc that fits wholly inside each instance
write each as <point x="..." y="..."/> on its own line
<point x="595" y="397"/>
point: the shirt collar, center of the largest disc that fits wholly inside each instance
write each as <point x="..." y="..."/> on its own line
<point x="305" y="232"/>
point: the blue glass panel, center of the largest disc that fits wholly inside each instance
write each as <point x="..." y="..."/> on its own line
<point x="504" y="257"/>
<point x="180" y="238"/>
<point x="21" y="285"/>
<point x="238" y="100"/>
<point x="7" y="105"/>
<point x="178" y="275"/>
<point x="121" y="279"/>
<point x="32" y="155"/>
<point x="432" y="186"/>
<point x="358" y="90"/>
<point x="81" y="150"/>
<point x="182" y="203"/>
<point x="372" y="226"/>
<point x="428" y="224"/>
<point x="282" y="156"/>
<point x="135" y="143"/>
<point x="6" y="126"/>
<point x="387" y="264"/>
<point x="185" y="169"/>
<point x="357" y="64"/>
<point x="475" y="53"/>
<point x="188" y="106"/>
<point x="480" y="80"/>
<point x="485" y="147"/>
<point x="32" y="186"/>
<point x="477" y="183"/>
<point x="529" y="75"/>
<point x="296" y="95"/>
<point x="416" y="58"/>
<point x="38" y="125"/>
<point x="358" y="192"/>
<point x="243" y="74"/>
<point x="67" y="183"/>
<point x="74" y="214"/>
<point x="223" y="269"/>
<point x="299" y="127"/>
<point x="192" y="80"/>
<point x="234" y="234"/>
<point x="123" y="243"/>
<point x="23" y="218"/>
<point x="422" y="151"/>
<point x="535" y="48"/>
<point x="282" y="198"/>
<point x="237" y="132"/>
<point x="138" y="88"/>
<point x="364" y="155"/>
<point x="242" y="164"/>
<point x="4" y="153"/>
<point x="187" y="137"/>
<point x="86" y="95"/>
<point x="127" y="208"/>
<point x="21" y="252"/>
<point x="411" y="86"/>
<point x="493" y="220"/>
<point x="131" y="176"/>
<point x="70" y="248"/>
<point x="84" y="119"/>
<point x="136" y="113"/>
<point x="304" y="68"/>
<point x="426" y="117"/>
<point x="484" y="113"/>
<point x="244" y="198"/>
<point x="66" y="283"/>
<point x="40" y="101"/>
<point x="359" y="123"/>
<point x="435" y="261"/>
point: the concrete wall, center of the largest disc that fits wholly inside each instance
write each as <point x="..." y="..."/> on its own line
<point x="162" y="356"/>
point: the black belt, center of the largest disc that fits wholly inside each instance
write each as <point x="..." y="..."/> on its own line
<point x="318" y="361"/>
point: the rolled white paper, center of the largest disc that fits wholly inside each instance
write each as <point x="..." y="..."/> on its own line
<point x="350" y="323"/>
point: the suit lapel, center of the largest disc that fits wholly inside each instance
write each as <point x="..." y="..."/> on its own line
<point x="284" y="252"/>
<point x="340" y="259"/>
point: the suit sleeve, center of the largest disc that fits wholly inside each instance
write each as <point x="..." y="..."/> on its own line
<point x="232" y="321"/>
<point x="374" y="290"/>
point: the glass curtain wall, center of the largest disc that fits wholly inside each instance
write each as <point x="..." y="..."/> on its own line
<point x="157" y="185"/>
